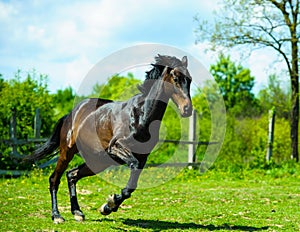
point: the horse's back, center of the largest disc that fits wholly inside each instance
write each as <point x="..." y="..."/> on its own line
<point x="77" y="116"/>
<point x="85" y="108"/>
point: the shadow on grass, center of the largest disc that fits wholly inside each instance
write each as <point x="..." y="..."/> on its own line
<point x="165" y="225"/>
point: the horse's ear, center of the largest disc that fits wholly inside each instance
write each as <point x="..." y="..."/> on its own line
<point x="184" y="61"/>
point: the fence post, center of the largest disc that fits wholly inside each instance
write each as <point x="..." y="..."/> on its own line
<point x="37" y="124"/>
<point x="270" y="134"/>
<point x="192" y="137"/>
<point x="13" y="133"/>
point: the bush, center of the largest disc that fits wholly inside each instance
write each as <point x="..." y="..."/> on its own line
<point x="23" y="95"/>
<point x="245" y="143"/>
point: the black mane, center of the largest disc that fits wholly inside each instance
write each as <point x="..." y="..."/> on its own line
<point x="161" y="61"/>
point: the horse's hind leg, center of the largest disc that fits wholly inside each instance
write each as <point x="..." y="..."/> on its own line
<point x="75" y="175"/>
<point x="54" y="180"/>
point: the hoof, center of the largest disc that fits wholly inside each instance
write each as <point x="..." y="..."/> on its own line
<point x="105" y="210"/>
<point x="78" y="215"/>
<point x="57" y="219"/>
<point x="134" y="165"/>
<point x="111" y="201"/>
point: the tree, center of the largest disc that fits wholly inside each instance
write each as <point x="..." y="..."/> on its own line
<point x="235" y="83"/>
<point x="117" y="88"/>
<point x="63" y="101"/>
<point x="261" y="23"/>
<point x="274" y="95"/>
<point x="23" y="95"/>
<point x="1" y="82"/>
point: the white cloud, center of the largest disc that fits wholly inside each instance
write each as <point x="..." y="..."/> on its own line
<point x="75" y="72"/>
<point x="65" y="39"/>
<point x="7" y="11"/>
<point x="202" y="53"/>
<point x="263" y="63"/>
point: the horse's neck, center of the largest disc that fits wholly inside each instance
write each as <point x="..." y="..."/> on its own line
<point x="155" y="103"/>
<point x="147" y="115"/>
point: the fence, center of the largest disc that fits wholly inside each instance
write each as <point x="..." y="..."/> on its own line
<point x="192" y="144"/>
<point x="14" y="142"/>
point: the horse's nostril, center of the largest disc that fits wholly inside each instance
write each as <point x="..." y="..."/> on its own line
<point x="186" y="108"/>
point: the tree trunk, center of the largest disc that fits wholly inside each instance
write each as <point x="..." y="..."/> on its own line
<point x="295" y="97"/>
<point x="292" y="22"/>
<point x="295" y="118"/>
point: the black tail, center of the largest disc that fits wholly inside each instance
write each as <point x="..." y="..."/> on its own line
<point x="46" y="150"/>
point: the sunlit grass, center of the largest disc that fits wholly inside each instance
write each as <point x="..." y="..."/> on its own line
<point x="186" y="202"/>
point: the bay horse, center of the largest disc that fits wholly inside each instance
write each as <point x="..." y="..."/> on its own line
<point x="108" y="133"/>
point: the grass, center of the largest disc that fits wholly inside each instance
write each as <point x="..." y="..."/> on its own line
<point x="189" y="202"/>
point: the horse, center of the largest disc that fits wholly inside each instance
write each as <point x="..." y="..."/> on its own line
<point x="108" y="133"/>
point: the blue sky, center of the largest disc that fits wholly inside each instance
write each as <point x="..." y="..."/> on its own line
<point x="65" y="39"/>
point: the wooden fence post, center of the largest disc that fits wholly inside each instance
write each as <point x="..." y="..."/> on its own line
<point x="37" y="124"/>
<point x="192" y="137"/>
<point x="13" y="133"/>
<point x="270" y="134"/>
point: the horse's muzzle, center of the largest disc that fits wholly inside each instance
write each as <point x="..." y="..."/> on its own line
<point x="187" y="111"/>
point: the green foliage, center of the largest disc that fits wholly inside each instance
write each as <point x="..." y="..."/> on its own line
<point x="117" y="88"/>
<point x="173" y="127"/>
<point x="208" y="103"/>
<point x="245" y="143"/>
<point x="63" y="100"/>
<point x="275" y="96"/>
<point x="235" y="83"/>
<point x="260" y="24"/>
<point x="203" y="101"/>
<point x="282" y="141"/>
<point x="24" y="95"/>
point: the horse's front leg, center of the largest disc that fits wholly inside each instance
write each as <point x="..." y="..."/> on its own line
<point x="115" y="200"/>
<point x="118" y="150"/>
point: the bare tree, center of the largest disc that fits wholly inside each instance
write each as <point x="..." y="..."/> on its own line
<point x="261" y="23"/>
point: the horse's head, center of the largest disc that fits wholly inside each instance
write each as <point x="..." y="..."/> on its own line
<point x="178" y="82"/>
